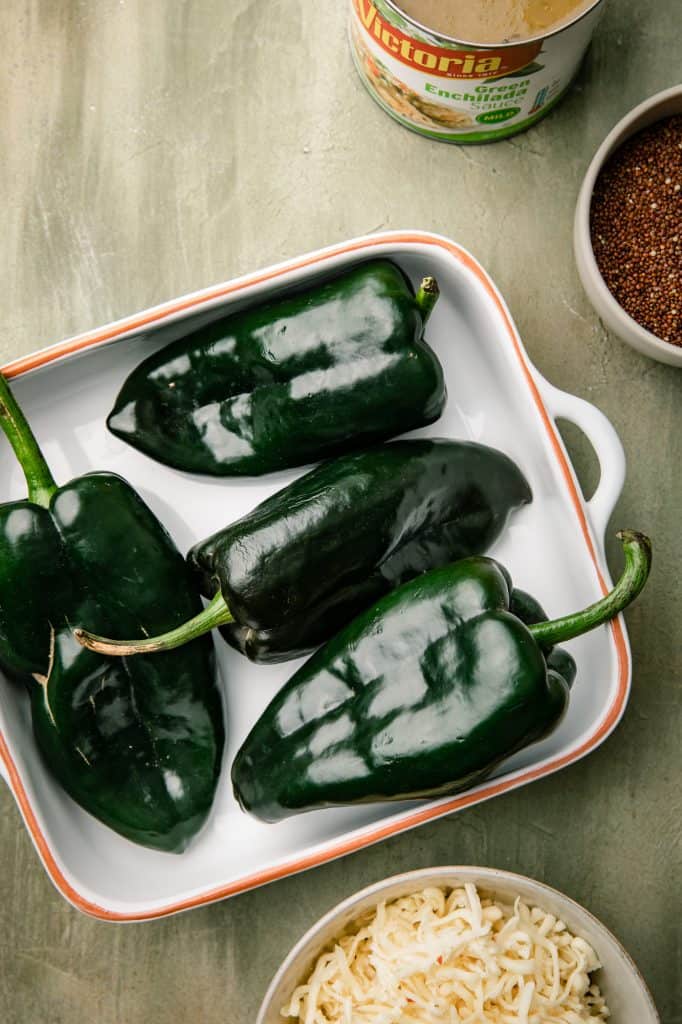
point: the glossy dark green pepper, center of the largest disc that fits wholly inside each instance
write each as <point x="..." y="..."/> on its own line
<point x="287" y="576"/>
<point x="320" y="371"/>
<point x="136" y="742"/>
<point x="422" y="695"/>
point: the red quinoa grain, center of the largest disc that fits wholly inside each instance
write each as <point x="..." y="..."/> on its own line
<point x="636" y="227"/>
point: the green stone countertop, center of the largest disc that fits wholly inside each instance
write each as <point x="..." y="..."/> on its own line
<point x="150" y="148"/>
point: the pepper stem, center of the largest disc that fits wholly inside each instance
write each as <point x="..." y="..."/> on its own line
<point x="214" y="614"/>
<point x="39" y="479"/>
<point x="427" y="296"/>
<point x="637" y="552"/>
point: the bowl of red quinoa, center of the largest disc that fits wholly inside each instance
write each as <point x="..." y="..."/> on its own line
<point x="628" y="228"/>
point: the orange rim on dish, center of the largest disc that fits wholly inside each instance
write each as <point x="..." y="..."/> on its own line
<point x="341" y="847"/>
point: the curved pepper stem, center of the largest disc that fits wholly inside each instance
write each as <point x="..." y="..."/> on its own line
<point x="427" y="297"/>
<point x="214" y="614"/>
<point x="636" y="548"/>
<point x="39" y="479"/>
<point x="637" y="552"/>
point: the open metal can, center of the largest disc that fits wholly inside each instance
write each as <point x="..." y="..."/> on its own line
<point x="458" y="92"/>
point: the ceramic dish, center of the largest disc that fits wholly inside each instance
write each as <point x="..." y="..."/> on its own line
<point x="663" y="104"/>
<point x="554" y="549"/>
<point x="620" y="982"/>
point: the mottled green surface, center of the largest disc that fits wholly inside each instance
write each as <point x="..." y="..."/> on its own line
<point x="152" y="147"/>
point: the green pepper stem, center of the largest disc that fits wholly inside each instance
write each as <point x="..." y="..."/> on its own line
<point x="427" y="297"/>
<point x="636" y="549"/>
<point x="39" y="479"/>
<point x="214" y="614"/>
<point x="637" y="553"/>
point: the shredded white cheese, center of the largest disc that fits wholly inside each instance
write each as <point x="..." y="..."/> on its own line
<point x="455" y="956"/>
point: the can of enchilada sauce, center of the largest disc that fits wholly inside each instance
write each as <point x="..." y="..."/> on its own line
<point x="461" y="92"/>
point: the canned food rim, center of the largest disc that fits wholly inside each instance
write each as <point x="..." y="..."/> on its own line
<point x="490" y="46"/>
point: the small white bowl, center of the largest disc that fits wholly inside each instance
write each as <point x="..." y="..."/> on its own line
<point x="619" y="980"/>
<point x="663" y="104"/>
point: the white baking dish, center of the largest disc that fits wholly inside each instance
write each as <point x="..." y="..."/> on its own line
<point x="554" y="548"/>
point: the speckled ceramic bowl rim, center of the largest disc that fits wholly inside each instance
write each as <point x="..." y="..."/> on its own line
<point x="601" y="298"/>
<point x="494" y="878"/>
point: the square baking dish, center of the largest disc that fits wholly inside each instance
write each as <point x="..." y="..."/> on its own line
<point x="554" y="548"/>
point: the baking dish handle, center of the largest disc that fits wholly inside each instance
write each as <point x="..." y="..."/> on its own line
<point x="606" y="443"/>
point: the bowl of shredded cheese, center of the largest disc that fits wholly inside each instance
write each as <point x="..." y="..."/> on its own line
<point x="454" y="945"/>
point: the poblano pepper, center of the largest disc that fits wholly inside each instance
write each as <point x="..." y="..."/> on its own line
<point x="422" y="695"/>
<point x="315" y="373"/>
<point x="287" y="576"/>
<point x="136" y="742"/>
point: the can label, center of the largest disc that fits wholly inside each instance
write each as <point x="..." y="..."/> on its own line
<point x="462" y="93"/>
